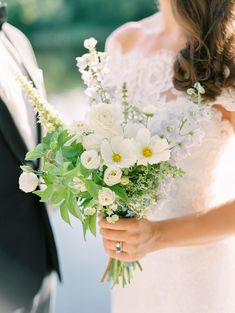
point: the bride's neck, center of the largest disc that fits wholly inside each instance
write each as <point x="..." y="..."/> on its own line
<point x="170" y="23"/>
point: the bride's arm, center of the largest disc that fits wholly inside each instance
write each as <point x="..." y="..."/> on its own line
<point x="142" y="237"/>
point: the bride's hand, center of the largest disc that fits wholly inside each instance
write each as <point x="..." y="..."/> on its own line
<point x="137" y="238"/>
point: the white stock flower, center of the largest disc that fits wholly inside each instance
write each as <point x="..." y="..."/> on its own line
<point x="90" y="43"/>
<point x="28" y="182"/>
<point x="89" y="211"/>
<point x="92" y="142"/>
<point x="106" y="196"/>
<point x="151" y="150"/>
<point x="112" y="176"/>
<point x="90" y="159"/>
<point x="105" y="119"/>
<point x="112" y="219"/>
<point x="118" y="152"/>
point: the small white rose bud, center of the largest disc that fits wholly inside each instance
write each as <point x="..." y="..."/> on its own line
<point x="125" y="180"/>
<point x="112" y="176"/>
<point x="28" y="182"/>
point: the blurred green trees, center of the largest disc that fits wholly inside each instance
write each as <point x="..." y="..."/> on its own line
<point x="57" y="28"/>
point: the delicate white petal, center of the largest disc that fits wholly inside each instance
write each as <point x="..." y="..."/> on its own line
<point x="143" y="136"/>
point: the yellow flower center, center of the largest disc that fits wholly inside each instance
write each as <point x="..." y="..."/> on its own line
<point x="117" y="157"/>
<point x="147" y="152"/>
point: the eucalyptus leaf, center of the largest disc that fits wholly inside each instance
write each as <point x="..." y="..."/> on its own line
<point x="92" y="223"/>
<point x="64" y="212"/>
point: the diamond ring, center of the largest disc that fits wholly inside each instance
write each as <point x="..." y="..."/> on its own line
<point x="118" y="247"/>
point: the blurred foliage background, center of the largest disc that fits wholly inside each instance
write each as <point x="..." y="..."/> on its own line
<point x="57" y="29"/>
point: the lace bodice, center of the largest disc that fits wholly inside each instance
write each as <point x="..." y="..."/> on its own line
<point x="149" y="81"/>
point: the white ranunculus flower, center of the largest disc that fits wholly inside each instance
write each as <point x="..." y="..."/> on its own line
<point x="92" y="142"/>
<point x="112" y="176"/>
<point x="28" y="182"/>
<point x="105" y="120"/>
<point x="118" y="152"/>
<point x="90" y="43"/>
<point x="131" y="129"/>
<point x="90" y="159"/>
<point x="151" y="150"/>
<point x="106" y="196"/>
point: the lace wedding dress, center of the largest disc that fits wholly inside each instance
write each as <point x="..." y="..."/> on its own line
<point x="198" y="279"/>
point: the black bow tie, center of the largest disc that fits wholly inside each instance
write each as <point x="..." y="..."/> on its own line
<point x="3" y="14"/>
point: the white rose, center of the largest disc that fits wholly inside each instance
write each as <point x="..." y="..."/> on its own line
<point x="105" y="120"/>
<point x="106" y="196"/>
<point x="28" y="182"/>
<point x="90" y="159"/>
<point x="92" y="142"/>
<point x="112" y="176"/>
<point x="90" y="43"/>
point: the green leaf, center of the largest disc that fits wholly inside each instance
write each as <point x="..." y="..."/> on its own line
<point x="85" y="172"/>
<point x="64" y="212"/>
<point x="96" y="178"/>
<point x="73" y="206"/>
<point x="26" y="169"/>
<point x="58" y="196"/>
<point x="46" y="194"/>
<point x="59" y="157"/>
<point x="33" y="155"/>
<point x="85" y="226"/>
<point x="92" y="224"/>
<point x="92" y="188"/>
<point x="120" y="192"/>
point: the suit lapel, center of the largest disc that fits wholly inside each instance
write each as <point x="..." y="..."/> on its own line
<point x="11" y="134"/>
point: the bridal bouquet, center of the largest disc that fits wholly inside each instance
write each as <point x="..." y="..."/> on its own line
<point x="108" y="164"/>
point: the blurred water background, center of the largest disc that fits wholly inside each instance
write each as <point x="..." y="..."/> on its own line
<point x="57" y="29"/>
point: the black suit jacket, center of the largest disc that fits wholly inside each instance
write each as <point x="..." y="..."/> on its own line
<point x="27" y="247"/>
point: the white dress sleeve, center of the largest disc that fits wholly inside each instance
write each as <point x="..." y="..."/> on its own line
<point x="227" y="99"/>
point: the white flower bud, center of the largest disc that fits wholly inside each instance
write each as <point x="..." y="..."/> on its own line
<point x="90" y="43"/>
<point x="125" y="180"/>
<point x="28" y="182"/>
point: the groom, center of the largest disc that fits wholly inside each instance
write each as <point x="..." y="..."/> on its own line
<point x="28" y="257"/>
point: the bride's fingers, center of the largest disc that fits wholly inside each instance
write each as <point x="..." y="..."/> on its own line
<point x="123" y="256"/>
<point x="110" y="245"/>
<point x="121" y="224"/>
<point x="114" y="235"/>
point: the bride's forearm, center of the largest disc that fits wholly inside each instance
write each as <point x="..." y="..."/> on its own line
<point x="196" y="229"/>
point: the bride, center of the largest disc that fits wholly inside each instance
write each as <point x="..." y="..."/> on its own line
<point x="186" y="247"/>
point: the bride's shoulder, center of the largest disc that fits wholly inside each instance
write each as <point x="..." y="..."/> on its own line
<point x="126" y="36"/>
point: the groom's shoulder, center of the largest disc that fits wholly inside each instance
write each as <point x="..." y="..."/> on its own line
<point x="17" y="36"/>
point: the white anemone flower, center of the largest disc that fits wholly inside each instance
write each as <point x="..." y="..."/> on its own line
<point x="151" y="150"/>
<point x="118" y="152"/>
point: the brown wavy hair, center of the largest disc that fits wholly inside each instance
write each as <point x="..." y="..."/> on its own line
<point x="209" y="56"/>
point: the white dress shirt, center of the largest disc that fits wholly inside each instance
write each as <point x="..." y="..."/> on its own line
<point x="12" y="94"/>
